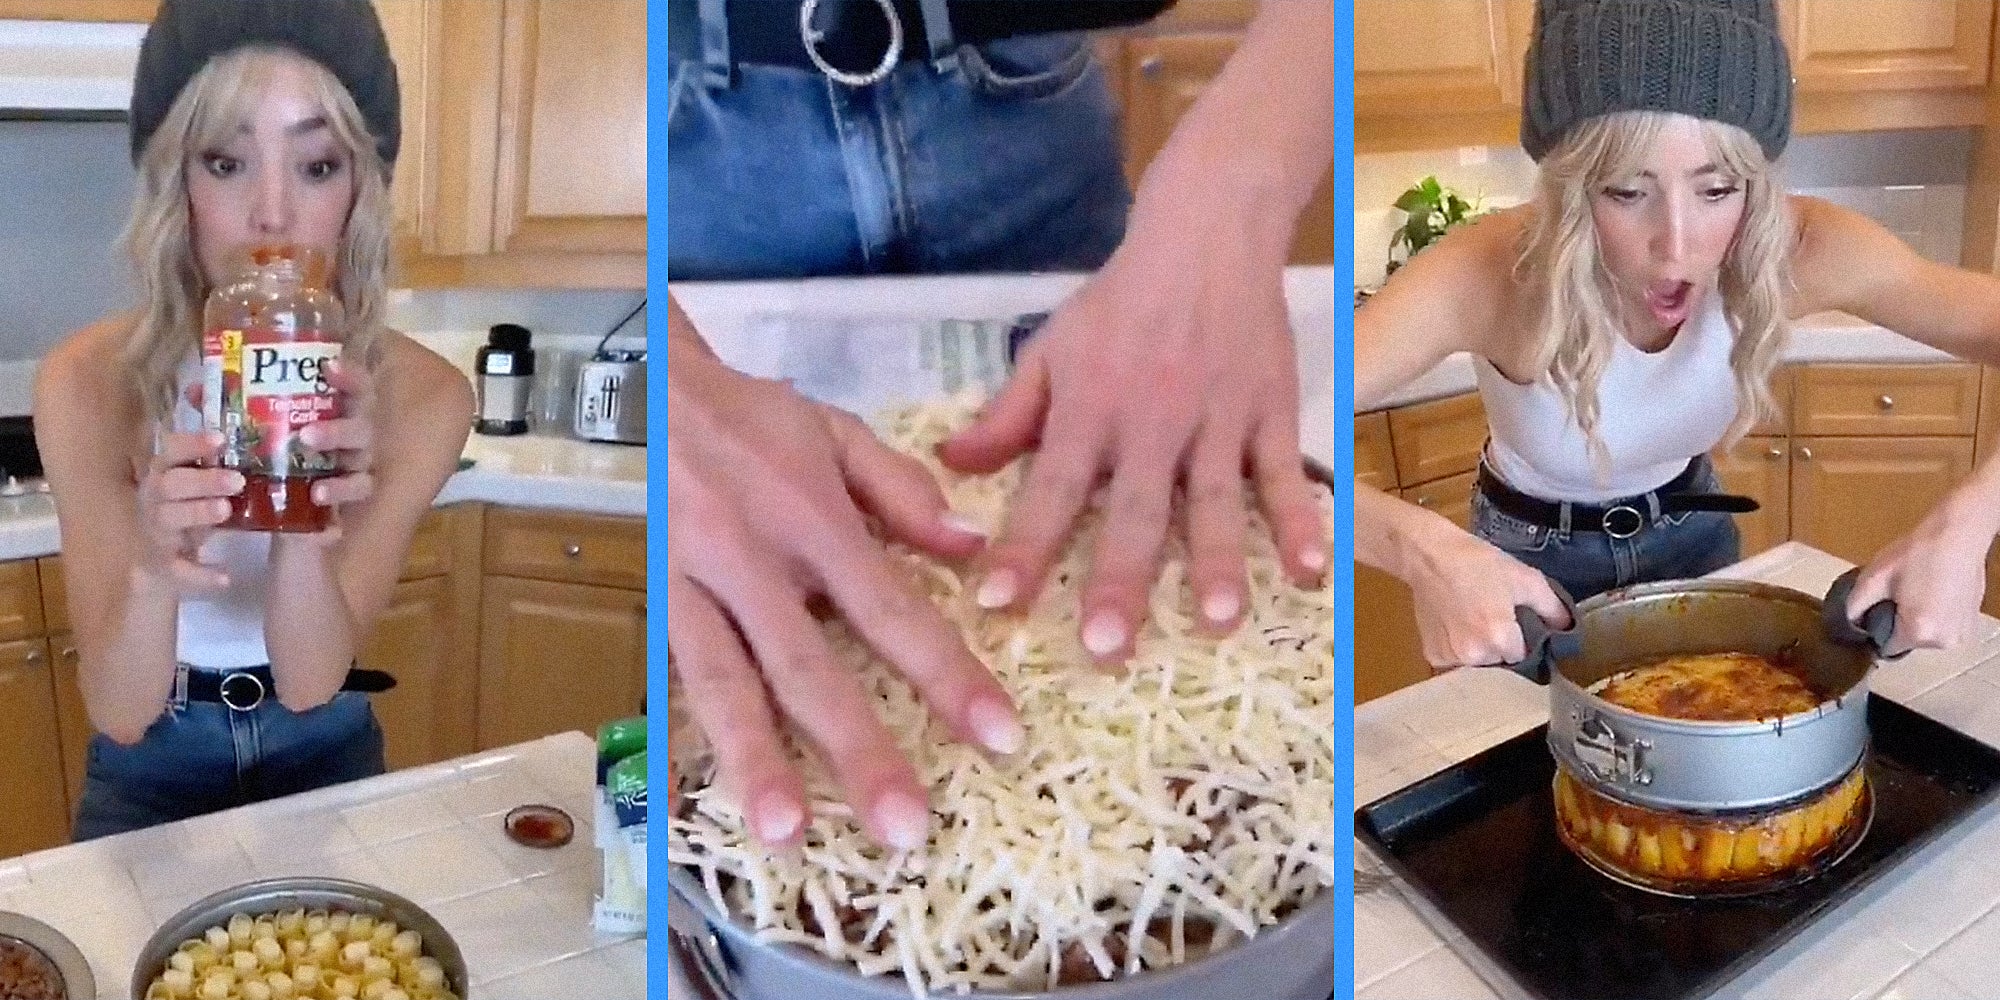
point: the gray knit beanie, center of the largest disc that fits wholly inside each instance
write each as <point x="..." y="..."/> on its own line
<point x="345" y="36"/>
<point x="1720" y="60"/>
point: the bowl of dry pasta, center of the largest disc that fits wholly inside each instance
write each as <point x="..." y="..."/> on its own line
<point x="301" y="939"/>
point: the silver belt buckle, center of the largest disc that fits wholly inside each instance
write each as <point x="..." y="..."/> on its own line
<point x="1638" y="521"/>
<point x="241" y="687"/>
<point x="812" y="36"/>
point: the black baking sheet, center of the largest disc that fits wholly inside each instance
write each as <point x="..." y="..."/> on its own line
<point x="1479" y="842"/>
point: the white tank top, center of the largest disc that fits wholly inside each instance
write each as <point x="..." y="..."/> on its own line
<point x="1656" y="412"/>
<point x="227" y="629"/>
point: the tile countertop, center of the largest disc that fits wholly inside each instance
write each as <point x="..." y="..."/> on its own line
<point x="721" y="309"/>
<point x="1927" y="931"/>
<point x="432" y="834"/>
<point x="1817" y="338"/>
<point x="530" y="470"/>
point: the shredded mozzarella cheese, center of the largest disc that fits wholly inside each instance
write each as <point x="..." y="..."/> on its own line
<point x="1190" y="797"/>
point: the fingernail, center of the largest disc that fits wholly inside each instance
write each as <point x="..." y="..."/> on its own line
<point x="905" y="821"/>
<point x="997" y="727"/>
<point x="1221" y="606"/>
<point x="962" y="524"/>
<point x="776" y="818"/>
<point x="319" y="494"/>
<point x="236" y="482"/>
<point x="1104" y="634"/>
<point x="998" y="589"/>
<point x="1313" y="557"/>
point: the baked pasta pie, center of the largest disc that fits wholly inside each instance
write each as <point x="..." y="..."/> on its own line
<point x="1690" y="852"/>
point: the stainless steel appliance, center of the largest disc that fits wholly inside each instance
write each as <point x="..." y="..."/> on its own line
<point x="611" y="398"/>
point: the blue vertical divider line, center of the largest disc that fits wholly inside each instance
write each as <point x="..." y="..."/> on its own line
<point x="657" y="88"/>
<point x="1343" y="449"/>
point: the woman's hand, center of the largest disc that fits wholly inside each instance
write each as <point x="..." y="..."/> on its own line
<point x="350" y="439"/>
<point x="180" y="503"/>
<point x="768" y="496"/>
<point x="1936" y="574"/>
<point x="1169" y="367"/>
<point x="1465" y="591"/>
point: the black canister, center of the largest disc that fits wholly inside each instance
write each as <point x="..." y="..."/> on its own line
<point x="506" y="367"/>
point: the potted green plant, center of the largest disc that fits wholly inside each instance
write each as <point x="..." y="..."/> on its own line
<point x="1431" y="210"/>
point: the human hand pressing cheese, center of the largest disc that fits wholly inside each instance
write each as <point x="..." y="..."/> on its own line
<point x="768" y="496"/>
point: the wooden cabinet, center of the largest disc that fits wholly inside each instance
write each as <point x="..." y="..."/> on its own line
<point x="1759" y="468"/>
<point x="1427" y="454"/>
<point x="130" y="11"/>
<point x="1886" y="400"/>
<point x="1438" y="73"/>
<point x="570" y="548"/>
<point x="1374" y="455"/>
<point x="1432" y="74"/>
<point x="73" y="727"/>
<point x="431" y="713"/>
<point x="1852" y="496"/>
<point x="558" y="656"/>
<point x="1845" y="45"/>
<point x="36" y="813"/>
<point x="1161" y="71"/>
<point x="524" y="142"/>
<point x="1437" y="439"/>
<point x="20" y="601"/>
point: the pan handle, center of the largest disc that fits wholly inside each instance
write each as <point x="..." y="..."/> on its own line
<point x="1878" y="623"/>
<point x="1545" y="644"/>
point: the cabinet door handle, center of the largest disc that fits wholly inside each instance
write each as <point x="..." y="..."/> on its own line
<point x="1886" y="402"/>
<point x="1151" y="66"/>
<point x="68" y="654"/>
<point x="1775" y="453"/>
<point x="32" y="657"/>
<point x="1424" y="502"/>
<point x="573" y="550"/>
<point x="1805" y="453"/>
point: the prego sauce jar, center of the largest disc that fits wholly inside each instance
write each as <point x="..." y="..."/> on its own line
<point x="269" y="340"/>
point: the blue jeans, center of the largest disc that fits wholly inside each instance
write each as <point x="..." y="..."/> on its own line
<point x="203" y="757"/>
<point x="1008" y="161"/>
<point x="1587" y="563"/>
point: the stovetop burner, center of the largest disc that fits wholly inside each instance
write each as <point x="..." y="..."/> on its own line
<point x="1478" y="841"/>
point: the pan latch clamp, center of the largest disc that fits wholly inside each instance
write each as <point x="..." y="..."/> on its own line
<point x="1608" y="755"/>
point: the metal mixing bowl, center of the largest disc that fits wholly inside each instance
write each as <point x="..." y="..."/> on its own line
<point x="277" y="894"/>
<point x="74" y="970"/>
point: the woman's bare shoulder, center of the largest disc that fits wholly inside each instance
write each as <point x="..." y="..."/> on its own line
<point x="423" y="389"/>
<point x="421" y="378"/>
<point x="87" y="366"/>
<point x="1467" y="282"/>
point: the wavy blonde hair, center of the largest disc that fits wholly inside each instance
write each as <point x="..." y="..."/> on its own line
<point x="160" y="236"/>
<point x="1577" y="308"/>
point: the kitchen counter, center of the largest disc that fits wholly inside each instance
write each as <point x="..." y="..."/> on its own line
<point x="431" y="834"/>
<point x="721" y="311"/>
<point x="1827" y="337"/>
<point x="1927" y="931"/>
<point x="529" y="470"/>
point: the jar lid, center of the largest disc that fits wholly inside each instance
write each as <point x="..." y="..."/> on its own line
<point x="509" y="336"/>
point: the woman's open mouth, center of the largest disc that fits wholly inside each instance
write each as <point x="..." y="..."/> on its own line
<point x="1669" y="302"/>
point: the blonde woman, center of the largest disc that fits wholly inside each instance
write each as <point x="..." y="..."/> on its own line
<point x="216" y="666"/>
<point x="1625" y="323"/>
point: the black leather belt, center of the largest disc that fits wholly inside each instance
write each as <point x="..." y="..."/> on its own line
<point x="1621" y="518"/>
<point x="855" y="35"/>
<point x="245" y="688"/>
